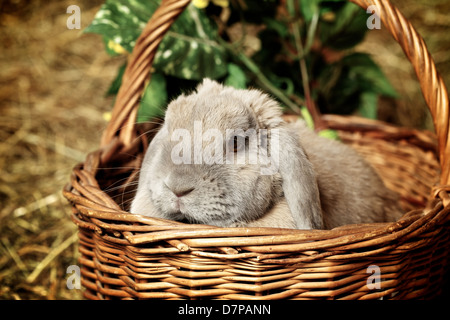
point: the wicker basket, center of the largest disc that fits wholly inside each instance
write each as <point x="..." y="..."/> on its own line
<point x="135" y="257"/>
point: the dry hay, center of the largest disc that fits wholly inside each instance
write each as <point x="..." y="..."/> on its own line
<point x="52" y="89"/>
<point x="52" y="102"/>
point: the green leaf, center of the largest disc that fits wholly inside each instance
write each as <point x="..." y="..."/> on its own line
<point x="309" y="7"/>
<point x="329" y="134"/>
<point x="115" y="85"/>
<point x="122" y="21"/>
<point x="343" y="85"/>
<point x="326" y="133"/>
<point x="283" y="83"/>
<point x="154" y="99"/>
<point x="307" y="117"/>
<point x="189" y="49"/>
<point x="369" y="105"/>
<point x="346" y="29"/>
<point x="279" y="27"/>
<point x="236" y="77"/>
<point x="369" y="75"/>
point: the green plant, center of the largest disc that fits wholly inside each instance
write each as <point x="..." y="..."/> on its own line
<point x="300" y="51"/>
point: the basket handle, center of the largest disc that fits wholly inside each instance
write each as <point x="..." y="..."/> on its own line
<point x="137" y="73"/>
<point x="431" y="83"/>
<point x="122" y="124"/>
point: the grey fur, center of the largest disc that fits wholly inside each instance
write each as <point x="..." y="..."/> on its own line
<point x="320" y="183"/>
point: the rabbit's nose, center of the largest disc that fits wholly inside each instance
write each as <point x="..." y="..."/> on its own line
<point x="179" y="187"/>
<point x="182" y="192"/>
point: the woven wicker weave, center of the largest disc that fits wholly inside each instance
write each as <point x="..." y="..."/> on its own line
<point x="135" y="257"/>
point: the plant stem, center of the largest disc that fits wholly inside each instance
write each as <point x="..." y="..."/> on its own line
<point x="261" y="78"/>
<point x="311" y="32"/>
<point x="264" y="82"/>
<point x="301" y="52"/>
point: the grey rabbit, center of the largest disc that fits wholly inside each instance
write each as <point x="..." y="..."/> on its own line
<point x="195" y="177"/>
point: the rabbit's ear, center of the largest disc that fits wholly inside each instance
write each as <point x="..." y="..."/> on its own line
<point x="209" y="86"/>
<point x="299" y="179"/>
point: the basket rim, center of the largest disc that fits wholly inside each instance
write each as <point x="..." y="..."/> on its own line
<point x="107" y="216"/>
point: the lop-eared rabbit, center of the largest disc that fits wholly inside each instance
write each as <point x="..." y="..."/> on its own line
<point x="226" y="157"/>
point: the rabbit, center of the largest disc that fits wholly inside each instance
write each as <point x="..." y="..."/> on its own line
<point x="317" y="183"/>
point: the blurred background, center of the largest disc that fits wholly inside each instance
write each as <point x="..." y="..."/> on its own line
<point x="53" y="83"/>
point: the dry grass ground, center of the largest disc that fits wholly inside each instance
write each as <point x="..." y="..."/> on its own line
<point x="52" y="93"/>
<point x="52" y="99"/>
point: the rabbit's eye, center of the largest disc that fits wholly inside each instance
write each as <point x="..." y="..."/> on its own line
<point x="237" y="143"/>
